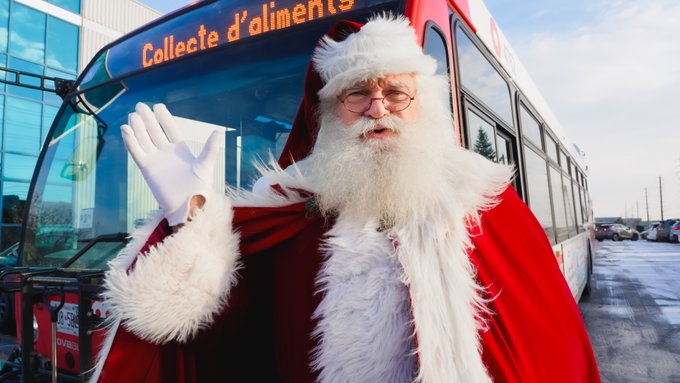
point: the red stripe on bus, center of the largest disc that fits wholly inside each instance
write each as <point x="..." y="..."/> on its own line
<point x="463" y="8"/>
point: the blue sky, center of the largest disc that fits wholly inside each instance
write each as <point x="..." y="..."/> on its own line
<point x="610" y="69"/>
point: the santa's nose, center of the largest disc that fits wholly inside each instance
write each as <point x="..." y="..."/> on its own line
<point x="377" y="108"/>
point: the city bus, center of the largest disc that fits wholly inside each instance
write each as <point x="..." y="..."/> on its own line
<point x="240" y="64"/>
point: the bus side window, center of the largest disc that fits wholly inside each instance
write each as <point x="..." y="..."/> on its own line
<point x="490" y="139"/>
<point x="530" y="127"/>
<point x="486" y="105"/>
<point x="559" y="203"/>
<point x="536" y="172"/>
<point x="435" y="46"/>
<point x="538" y="190"/>
<point x="578" y="204"/>
<point x="479" y="78"/>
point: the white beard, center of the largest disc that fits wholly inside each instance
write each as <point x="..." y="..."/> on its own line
<point x="429" y="192"/>
<point x="379" y="178"/>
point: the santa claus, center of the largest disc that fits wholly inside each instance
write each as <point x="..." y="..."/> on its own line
<point x="378" y="251"/>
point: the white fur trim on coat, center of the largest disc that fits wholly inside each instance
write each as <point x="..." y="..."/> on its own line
<point x="364" y="325"/>
<point x="294" y="183"/>
<point x="446" y="299"/>
<point x="181" y="283"/>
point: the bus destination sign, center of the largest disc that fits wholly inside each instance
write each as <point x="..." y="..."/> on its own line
<point x="236" y="24"/>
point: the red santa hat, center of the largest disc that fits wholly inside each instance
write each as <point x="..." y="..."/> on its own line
<point x="385" y="45"/>
<point x="347" y="54"/>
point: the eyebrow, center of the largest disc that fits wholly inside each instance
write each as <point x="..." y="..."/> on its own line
<point x="381" y="83"/>
<point x="392" y="83"/>
<point x="396" y="84"/>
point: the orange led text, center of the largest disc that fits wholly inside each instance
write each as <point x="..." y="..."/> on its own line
<point x="262" y="18"/>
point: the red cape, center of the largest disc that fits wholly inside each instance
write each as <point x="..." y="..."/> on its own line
<point x="535" y="333"/>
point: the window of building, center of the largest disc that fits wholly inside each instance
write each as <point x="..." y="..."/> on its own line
<point x="26" y="66"/>
<point x="530" y="127"/>
<point x="69" y="5"/>
<point x="22" y="126"/>
<point x="480" y="78"/>
<point x="3" y="63"/>
<point x="32" y="42"/>
<point x="62" y="45"/>
<point x="27" y="33"/>
<point x="538" y="191"/>
<point x="19" y="166"/>
<point x="4" y="25"/>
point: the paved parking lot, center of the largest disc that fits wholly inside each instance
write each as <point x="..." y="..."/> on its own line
<point x="633" y="312"/>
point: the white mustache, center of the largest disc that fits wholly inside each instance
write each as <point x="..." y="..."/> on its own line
<point x="366" y="124"/>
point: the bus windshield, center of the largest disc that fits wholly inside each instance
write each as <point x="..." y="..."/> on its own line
<point x="87" y="186"/>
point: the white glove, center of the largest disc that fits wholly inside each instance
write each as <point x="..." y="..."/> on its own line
<point x="171" y="170"/>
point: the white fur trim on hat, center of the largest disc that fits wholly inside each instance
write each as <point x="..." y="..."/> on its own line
<point x="384" y="45"/>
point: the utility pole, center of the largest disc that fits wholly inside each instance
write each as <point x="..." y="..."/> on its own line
<point x="661" y="197"/>
<point x="647" y="205"/>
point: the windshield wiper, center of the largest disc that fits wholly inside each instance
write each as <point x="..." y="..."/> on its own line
<point x="118" y="237"/>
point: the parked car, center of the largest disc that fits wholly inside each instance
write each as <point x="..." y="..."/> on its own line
<point x="675" y="232"/>
<point x="615" y="232"/>
<point x="663" y="231"/>
<point x="650" y="233"/>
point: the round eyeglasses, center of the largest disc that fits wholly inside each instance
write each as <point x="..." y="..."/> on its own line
<point x="361" y="101"/>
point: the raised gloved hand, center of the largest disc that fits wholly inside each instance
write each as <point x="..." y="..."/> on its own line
<point x="173" y="173"/>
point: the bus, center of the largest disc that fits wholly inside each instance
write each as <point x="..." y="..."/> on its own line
<point x="240" y="64"/>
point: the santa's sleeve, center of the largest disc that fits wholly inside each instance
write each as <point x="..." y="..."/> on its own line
<point x="535" y="331"/>
<point x="173" y="290"/>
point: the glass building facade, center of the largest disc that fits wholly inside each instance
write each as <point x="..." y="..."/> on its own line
<point x="36" y="42"/>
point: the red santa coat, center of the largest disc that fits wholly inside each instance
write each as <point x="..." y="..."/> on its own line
<point x="535" y="333"/>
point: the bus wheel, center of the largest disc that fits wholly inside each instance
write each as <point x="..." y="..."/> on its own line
<point x="588" y="288"/>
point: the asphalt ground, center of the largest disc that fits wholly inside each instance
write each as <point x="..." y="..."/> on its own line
<point x="633" y="311"/>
